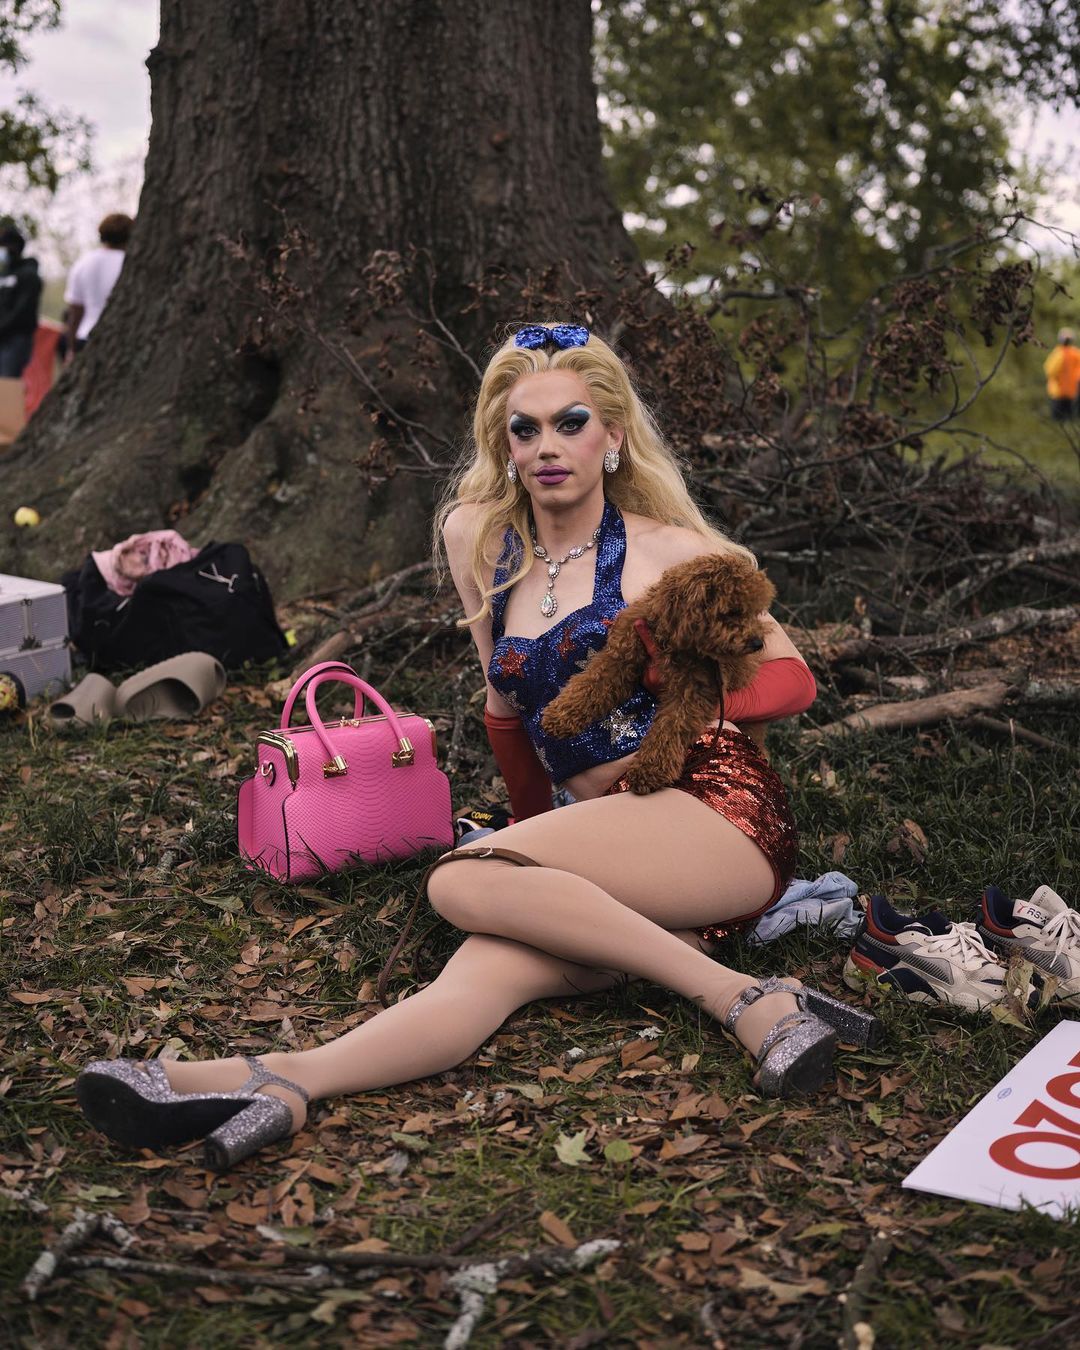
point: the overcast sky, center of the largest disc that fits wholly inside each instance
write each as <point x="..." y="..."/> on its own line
<point x="94" y="65"/>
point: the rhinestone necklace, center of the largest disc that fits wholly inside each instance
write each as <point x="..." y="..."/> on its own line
<point x="549" y="604"/>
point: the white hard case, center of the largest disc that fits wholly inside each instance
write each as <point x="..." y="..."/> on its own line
<point x="40" y="670"/>
<point x="33" y="634"/>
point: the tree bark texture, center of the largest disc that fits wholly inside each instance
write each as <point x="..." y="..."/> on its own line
<point x="464" y="128"/>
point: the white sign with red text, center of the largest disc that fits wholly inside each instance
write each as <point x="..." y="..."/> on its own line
<point x="1021" y="1143"/>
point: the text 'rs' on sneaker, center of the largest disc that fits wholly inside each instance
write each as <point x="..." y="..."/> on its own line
<point x="1044" y="930"/>
<point x="927" y="958"/>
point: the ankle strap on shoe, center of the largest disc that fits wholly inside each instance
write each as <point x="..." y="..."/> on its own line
<point x="773" y="984"/>
<point x="261" y="1075"/>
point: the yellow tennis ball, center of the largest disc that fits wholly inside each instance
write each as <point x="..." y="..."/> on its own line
<point x="26" y="515"/>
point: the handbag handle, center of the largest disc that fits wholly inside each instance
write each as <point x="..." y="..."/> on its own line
<point x="336" y="764"/>
<point x="309" y="674"/>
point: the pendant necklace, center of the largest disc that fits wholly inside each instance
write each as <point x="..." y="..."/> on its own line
<point x="549" y="604"/>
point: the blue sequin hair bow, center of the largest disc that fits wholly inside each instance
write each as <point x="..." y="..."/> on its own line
<point x="561" y="335"/>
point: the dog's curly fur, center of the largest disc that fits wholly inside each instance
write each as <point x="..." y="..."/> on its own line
<point x="705" y="616"/>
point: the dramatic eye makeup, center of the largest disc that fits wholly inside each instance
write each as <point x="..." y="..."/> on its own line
<point x="573" y="419"/>
<point x="521" y="426"/>
<point x="567" y="420"/>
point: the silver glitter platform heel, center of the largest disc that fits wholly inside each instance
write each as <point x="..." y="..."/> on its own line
<point x="263" y="1120"/>
<point x="132" y="1102"/>
<point x="797" y="1053"/>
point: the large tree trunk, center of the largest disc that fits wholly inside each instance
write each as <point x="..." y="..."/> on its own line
<point x="463" y="128"/>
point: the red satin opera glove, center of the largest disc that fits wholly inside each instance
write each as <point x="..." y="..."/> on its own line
<point x="526" y="781"/>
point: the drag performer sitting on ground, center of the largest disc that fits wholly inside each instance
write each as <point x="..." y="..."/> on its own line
<point x="568" y="507"/>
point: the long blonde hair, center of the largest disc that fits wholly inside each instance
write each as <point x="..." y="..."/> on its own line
<point x="648" y="480"/>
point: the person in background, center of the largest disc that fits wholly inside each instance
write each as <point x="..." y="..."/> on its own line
<point x="1062" y="368"/>
<point x="91" y="280"/>
<point x="20" y="296"/>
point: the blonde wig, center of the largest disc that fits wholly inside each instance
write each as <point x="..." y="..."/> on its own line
<point x="647" y="482"/>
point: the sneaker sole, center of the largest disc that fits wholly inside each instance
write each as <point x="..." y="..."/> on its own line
<point x="859" y="977"/>
<point x="1007" y="947"/>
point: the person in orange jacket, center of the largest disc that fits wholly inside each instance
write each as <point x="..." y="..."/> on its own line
<point x="1062" y="368"/>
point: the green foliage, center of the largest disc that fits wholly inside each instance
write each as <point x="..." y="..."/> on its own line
<point x="38" y="147"/>
<point x="886" y="124"/>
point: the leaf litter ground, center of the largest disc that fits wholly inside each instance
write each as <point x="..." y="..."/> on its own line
<point x="129" y="927"/>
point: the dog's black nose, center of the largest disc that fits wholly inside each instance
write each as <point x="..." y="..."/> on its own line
<point x="754" y="644"/>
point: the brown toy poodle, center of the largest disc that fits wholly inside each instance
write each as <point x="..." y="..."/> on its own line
<point x="705" y="617"/>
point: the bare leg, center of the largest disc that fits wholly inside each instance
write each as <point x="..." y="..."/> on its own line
<point x="486" y="980"/>
<point x="551" y="931"/>
<point x="617" y="875"/>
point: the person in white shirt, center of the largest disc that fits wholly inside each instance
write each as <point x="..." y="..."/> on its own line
<point x="91" y="280"/>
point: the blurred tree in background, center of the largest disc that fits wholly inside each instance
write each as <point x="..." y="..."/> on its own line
<point x="885" y="121"/>
<point x="38" y="146"/>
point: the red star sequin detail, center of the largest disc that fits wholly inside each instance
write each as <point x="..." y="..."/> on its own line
<point x="512" y="663"/>
<point x="607" y="622"/>
<point x="566" y="642"/>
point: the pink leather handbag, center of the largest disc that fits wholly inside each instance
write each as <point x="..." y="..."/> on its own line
<point x="364" y="789"/>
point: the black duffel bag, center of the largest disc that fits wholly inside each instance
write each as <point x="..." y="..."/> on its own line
<point x="217" y="602"/>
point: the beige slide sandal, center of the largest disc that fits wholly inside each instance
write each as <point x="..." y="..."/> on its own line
<point x="92" y="700"/>
<point x="177" y="688"/>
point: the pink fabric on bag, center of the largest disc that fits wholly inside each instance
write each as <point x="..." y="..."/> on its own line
<point x="126" y="563"/>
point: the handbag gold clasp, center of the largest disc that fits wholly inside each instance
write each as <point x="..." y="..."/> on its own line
<point x="403" y="756"/>
<point x="335" y="768"/>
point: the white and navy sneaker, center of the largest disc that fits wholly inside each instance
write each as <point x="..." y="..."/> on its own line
<point x="1044" y="930"/>
<point x="927" y="958"/>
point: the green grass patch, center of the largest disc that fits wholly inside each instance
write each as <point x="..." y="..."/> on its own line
<point x="126" y="918"/>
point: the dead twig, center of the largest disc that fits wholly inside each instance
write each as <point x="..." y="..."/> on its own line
<point x="318" y="1278"/>
<point x="475" y="1284"/>
<point x="383" y="591"/>
<point x="987" y="569"/>
<point x="1015" y="732"/>
<point x="485" y="1226"/>
<point x="80" y="1230"/>
<point x="1020" y="619"/>
<point x="858" y="1334"/>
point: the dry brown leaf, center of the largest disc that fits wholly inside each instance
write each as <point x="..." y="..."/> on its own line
<point x="632" y="1051"/>
<point x="555" y="1228"/>
<point x="247" y="1215"/>
<point x="682" y="1145"/>
<point x="782" y="1292"/>
<point x="752" y="1126"/>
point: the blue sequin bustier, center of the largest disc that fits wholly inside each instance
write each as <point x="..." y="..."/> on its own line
<point x="529" y="672"/>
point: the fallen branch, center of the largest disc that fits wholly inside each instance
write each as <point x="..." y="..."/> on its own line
<point x="987" y="569"/>
<point x="576" y="1054"/>
<point x="332" y="649"/>
<point x="25" y="1198"/>
<point x="485" y="1226"/>
<point x="1015" y="732"/>
<point x="81" y="1229"/>
<point x="858" y="1334"/>
<point x="385" y="589"/>
<point x="916" y="712"/>
<point x="1021" y="619"/>
<point x="318" y="1278"/>
<point x="475" y="1284"/>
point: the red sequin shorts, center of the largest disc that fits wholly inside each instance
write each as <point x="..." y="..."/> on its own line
<point x="730" y="774"/>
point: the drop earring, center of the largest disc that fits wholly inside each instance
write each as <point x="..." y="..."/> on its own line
<point x="611" y="459"/>
<point x="511" y="471"/>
